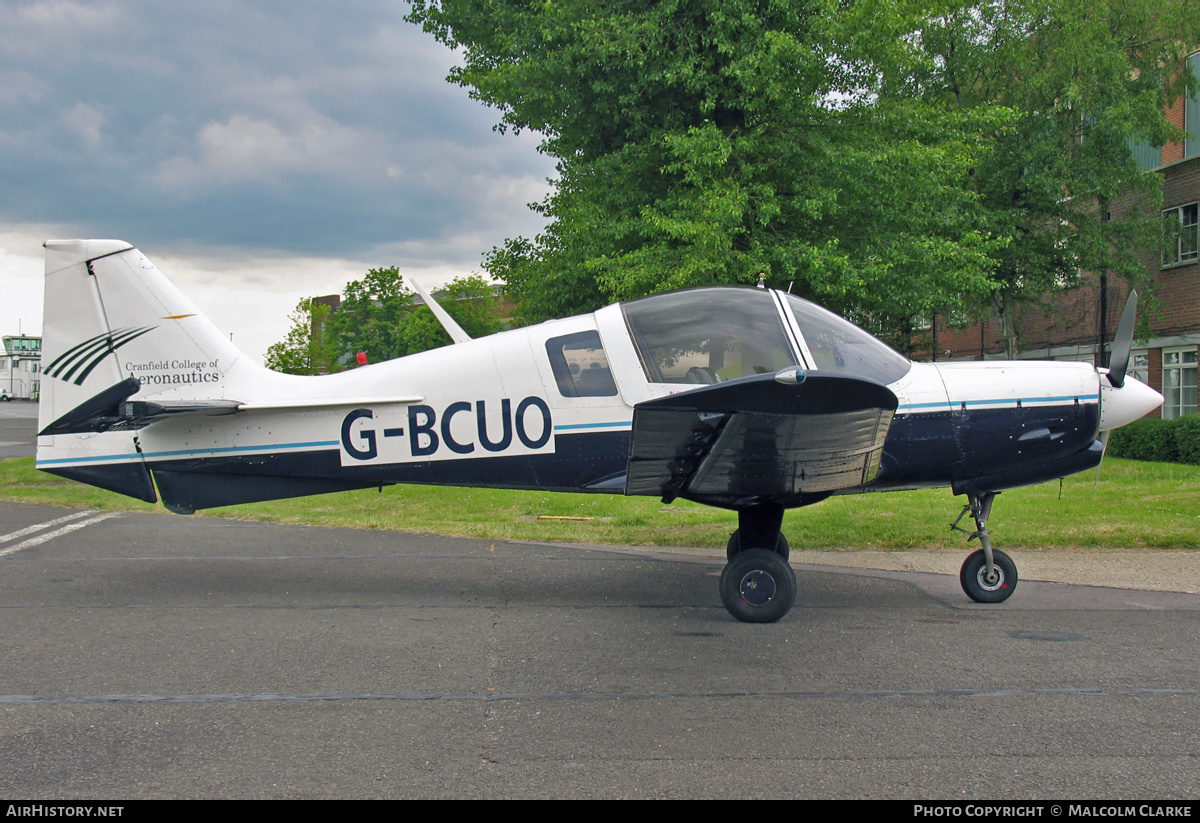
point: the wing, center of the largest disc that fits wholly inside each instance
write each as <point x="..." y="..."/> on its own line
<point x="774" y="437"/>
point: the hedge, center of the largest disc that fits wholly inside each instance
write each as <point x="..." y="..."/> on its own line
<point x="1164" y="441"/>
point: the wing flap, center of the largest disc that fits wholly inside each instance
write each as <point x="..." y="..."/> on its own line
<point x="758" y="438"/>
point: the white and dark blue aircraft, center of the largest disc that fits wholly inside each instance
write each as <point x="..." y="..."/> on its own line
<point x="748" y="399"/>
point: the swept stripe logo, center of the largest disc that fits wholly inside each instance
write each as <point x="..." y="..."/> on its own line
<point x="85" y="356"/>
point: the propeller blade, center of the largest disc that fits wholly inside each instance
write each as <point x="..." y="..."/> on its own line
<point x="1103" y="450"/>
<point x="1118" y="360"/>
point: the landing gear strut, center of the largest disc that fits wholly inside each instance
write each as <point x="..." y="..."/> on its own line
<point x="987" y="575"/>
<point x="758" y="585"/>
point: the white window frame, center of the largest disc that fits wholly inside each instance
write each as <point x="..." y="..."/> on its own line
<point x="1176" y="241"/>
<point x="1179" y="371"/>
<point x="1139" y="365"/>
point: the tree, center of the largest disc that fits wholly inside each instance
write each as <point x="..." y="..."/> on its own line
<point x="377" y="316"/>
<point x="892" y="160"/>
<point x="305" y="349"/>
<point x="470" y="300"/>
<point x="371" y="316"/>
<point x="717" y="141"/>
<point x="1083" y="79"/>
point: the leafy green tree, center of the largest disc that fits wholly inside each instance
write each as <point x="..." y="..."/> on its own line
<point x="892" y="160"/>
<point x="473" y="303"/>
<point x="717" y="141"/>
<point x="371" y="317"/>
<point x="1058" y="188"/>
<point x="470" y="300"/>
<point x="305" y="349"/>
<point x="378" y="316"/>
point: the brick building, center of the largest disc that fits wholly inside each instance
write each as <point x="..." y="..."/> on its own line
<point x="1168" y="360"/>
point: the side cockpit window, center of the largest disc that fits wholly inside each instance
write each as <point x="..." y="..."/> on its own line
<point x="708" y="335"/>
<point x="579" y="365"/>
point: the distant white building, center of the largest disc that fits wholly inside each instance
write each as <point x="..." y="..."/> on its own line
<point x="21" y="367"/>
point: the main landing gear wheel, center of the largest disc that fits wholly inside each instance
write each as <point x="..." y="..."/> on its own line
<point x="734" y="546"/>
<point x="758" y="586"/>
<point x="982" y="589"/>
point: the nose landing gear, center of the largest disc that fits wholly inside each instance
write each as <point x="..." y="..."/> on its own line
<point x="987" y="575"/>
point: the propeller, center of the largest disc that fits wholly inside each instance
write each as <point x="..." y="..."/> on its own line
<point x="1103" y="451"/>
<point x="1118" y="359"/>
<point x="1118" y="364"/>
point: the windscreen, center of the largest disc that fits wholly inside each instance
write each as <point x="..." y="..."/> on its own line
<point x="839" y="346"/>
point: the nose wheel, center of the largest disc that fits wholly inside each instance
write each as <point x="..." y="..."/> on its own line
<point x="987" y="575"/>
<point x="984" y="587"/>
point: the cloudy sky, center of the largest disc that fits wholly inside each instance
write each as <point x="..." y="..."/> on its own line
<point x="257" y="151"/>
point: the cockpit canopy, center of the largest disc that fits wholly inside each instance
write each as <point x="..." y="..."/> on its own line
<point x="716" y="334"/>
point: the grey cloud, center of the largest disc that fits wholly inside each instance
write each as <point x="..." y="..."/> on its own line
<point x="318" y="128"/>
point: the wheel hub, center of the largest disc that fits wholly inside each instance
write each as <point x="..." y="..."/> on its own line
<point x="990" y="582"/>
<point x="757" y="587"/>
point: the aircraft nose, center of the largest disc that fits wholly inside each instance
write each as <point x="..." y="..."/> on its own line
<point x="1126" y="404"/>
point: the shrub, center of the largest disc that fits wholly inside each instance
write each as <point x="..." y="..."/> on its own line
<point x="1187" y="438"/>
<point x="1166" y="441"/>
<point x="1146" y="439"/>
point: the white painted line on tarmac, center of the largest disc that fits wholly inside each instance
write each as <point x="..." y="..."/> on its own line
<point x="67" y="529"/>
<point x="37" y="527"/>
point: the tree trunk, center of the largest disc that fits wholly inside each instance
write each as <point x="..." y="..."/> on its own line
<point x="1006" y="306"/>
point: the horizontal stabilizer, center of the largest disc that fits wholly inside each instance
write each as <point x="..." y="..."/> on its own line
<point x="186" y="492"/>
<point x="145" y="412"/>
<point x="328" y="402"/>
<point x="755" y="439"/>
<point x="111" y="410"/>
<point x="96" y="414"/>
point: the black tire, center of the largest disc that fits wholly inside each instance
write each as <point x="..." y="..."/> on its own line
<point x="734" y="546"/>
<point x="974" y="573"/>
<point x="758" y="586"/>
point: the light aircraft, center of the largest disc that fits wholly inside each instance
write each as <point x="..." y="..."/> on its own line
<point x="745" y="398"/>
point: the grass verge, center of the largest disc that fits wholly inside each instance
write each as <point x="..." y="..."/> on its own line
<point x="1135" y="505"/>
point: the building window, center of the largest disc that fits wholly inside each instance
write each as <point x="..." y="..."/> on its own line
<point x="1147" y="157"/>
<point x="1179" y="235"/>
<point x="1139" y="367"/>
<point x="1179" y="382"/>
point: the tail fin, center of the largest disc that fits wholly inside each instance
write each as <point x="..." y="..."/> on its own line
<point x="115" y="327"/>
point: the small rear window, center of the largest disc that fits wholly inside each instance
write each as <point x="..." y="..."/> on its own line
<point x="580" y="366"/>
